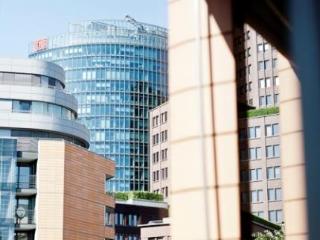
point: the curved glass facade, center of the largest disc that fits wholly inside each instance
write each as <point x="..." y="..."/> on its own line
<point x="117" y="70"/>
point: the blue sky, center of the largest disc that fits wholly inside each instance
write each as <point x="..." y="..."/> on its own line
<point x="22" y="21"/>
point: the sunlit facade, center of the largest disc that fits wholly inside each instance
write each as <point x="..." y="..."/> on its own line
<point x="117" y="70"/>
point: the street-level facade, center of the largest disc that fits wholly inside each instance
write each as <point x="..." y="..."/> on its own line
<point x="47" y="173"/>
<point x="130" y="214"/>
<point x="117" y="70"/>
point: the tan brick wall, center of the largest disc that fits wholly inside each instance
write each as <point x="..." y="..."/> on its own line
<point x="71" y="195"/>
<point x="85" y="198"/>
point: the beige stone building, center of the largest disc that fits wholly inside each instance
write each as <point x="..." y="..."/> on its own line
<point x="203" y="89"/>
<point x="259" y="140"/>
<point x="159" y="156"/>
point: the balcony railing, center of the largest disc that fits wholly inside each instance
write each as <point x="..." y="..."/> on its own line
<point x="26" y="182"/>
<point x="24" y="216"/>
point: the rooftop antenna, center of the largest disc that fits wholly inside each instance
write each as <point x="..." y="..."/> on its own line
<point x="135" y="23"/>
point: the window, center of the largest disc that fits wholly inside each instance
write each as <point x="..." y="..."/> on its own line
<point x="21" y="106"/>
<point x="164" y="154"/>
<point x="254" y="153"/>
<point x="262" y="100"/>
<point x="260" y="65"/>
<point x="267" y="64"/>
<point x="266" y="46"/>
<point x="260" y="47"/>
<point x="259" y="214"/>
<point x="155" y="121"/>
<point x="155" y="157"/>
<point x="274" y="194"/>
<point x="275" y="216"/>
<point x="256" y="196"/>
<point x="276" y="80"/>
<point x="254" y="132"/>
<point x="164" y="136"/>
<point x="249" y="86"/>
<point x="89" y="75"/>
<point x="272" y="130"/>
<point x="262" y="83"/>
<point x="274" y="63"/>
<point x="273" y="151"/>
<point x="164" y="117"/>
<point x="273" y="172"/>
<point x="268" y="82"/>
<point x="164" y="173"/>
<point x="155" y="176"/>
<point x="269" y="100"/>
<point x="155" y="139"/>
<point x="109" y="216"/>
<point x="126" y="219"/>
<point x="51" y="83"/>
<point x="255" y="174"/>
<point x="276" y="99"/>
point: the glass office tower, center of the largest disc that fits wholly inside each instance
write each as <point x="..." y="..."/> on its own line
<point x="117" y="70"/>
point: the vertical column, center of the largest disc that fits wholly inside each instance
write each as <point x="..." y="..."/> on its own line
<point x="50" y="190"/>
<point x="292" y="153"/>
<point x="203" y="121"/>
<point x="306" y="32"/>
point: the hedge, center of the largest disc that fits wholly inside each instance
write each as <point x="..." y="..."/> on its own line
<point x="262" y="112"/>
<point x="138" y="195"/>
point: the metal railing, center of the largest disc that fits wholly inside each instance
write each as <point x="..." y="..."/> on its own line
<point x="26" y="182"/>
<point x="27" y="217"/>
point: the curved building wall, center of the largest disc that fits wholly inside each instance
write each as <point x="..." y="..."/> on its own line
<point x="32" y="100"/>
<point x="117" y="70"/>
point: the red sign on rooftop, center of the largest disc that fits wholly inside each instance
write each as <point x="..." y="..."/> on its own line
<point x="40" y="44"/>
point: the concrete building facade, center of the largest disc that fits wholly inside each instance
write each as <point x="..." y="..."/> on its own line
<point x="258" y="85"/>
<point x="52" y="187"/>
<point x="159" y="145"/>
<point x="203" y="30"/>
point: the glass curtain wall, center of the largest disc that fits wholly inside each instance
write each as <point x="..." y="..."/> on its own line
<point x="8" y="159"/>
<point x="117" y="70"/>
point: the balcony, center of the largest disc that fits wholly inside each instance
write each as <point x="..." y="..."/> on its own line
<point x="25" y="220"/>
<point x="26" y="186"/>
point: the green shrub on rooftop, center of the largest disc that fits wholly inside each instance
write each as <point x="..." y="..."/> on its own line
<point x="147" y="196"/>
<point x="121" y="196"/>
<point x="262" y="112"/>
<point x="138" y="195"/>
